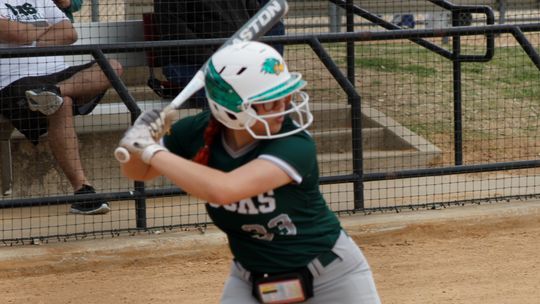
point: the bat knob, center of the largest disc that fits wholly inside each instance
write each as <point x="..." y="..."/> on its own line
<point x="121" y="154"/>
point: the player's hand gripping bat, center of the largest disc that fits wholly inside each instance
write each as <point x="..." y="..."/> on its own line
<point x="255" y="27"/>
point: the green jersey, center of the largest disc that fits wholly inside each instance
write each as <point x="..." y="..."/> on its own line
<point x="281" y="229"/>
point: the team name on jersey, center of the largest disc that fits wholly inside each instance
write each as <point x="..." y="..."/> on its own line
<point x="24" y="13"/>
<point x="260" y="204"/>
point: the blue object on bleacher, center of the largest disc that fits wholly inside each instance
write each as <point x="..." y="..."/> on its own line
<point x="404" y="20"/>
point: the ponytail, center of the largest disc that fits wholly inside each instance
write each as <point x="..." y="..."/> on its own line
<point x="210" y="132"/>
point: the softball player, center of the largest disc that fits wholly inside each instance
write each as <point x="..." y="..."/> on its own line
<point x="252" y="160"/>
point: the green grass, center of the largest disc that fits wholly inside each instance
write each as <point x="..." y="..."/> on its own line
<point x="479" y="135"/>
<point x="403" y="77"/>
<point x="430" y="127"/>
<point x="388" y="65"/>
<point x="509" y="66"/>
<point x="531" y="93"/>
<point x="473" y="68"/>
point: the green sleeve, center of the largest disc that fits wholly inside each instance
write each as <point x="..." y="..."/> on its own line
<point x="298" y="151"/>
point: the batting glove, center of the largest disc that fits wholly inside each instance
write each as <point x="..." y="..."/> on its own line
<point x="138" y="140"/>
<point x="156" y="121"/>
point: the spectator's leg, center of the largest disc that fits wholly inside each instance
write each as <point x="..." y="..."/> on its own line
<point x="278" y="30"/>
<point x="181" y="75"/>
<point x="86" y="84"/>
<point x="64" y="144"/>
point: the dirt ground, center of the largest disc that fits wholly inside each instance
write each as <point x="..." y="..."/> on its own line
<point x="473" y="254"/>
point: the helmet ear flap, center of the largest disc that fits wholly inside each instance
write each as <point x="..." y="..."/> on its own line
<point x="246" y="117"/>
<point x="234" y="120"/>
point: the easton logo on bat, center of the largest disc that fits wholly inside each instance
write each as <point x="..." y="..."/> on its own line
<point x="264" y="18"/>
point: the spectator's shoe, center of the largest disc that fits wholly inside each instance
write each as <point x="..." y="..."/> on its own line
<point x="95" y="206"/>
<point x="88" y="107"/>
<point x="46" y="100"/>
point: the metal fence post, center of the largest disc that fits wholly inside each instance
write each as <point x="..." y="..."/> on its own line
<point x="95" y="10"/>
<point x="334" y="16"/>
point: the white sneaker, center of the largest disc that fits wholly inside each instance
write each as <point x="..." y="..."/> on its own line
<point x="46" y="100"/>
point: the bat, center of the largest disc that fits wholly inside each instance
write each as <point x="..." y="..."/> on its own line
<point x="254" y="28"/>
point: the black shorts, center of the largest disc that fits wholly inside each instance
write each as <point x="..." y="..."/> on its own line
<point x="13" y="104"/>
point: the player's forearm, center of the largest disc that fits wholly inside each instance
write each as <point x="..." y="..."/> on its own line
<point x="136" y="169"/>
<point x="218" y="187"/>
<point x="14" y="32"/>
<point x="201" y="181"/>
<point x="61" y="33"/>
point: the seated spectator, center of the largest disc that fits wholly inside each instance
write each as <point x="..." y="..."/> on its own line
<point x="277" y="30"/>
<point x="42" y="94"/>
<point x="69" y="7"/>
<point x="196" y="19"/>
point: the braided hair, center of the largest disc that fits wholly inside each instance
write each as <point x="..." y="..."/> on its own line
<point x="210" y="133"/>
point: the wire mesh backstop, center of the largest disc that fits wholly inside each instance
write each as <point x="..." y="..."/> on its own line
<point x="416" y="104"/>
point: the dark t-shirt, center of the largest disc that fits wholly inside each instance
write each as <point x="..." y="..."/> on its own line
<point x="198" y="19"/>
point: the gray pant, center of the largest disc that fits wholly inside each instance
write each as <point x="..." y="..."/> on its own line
<point x="346" y="280"/>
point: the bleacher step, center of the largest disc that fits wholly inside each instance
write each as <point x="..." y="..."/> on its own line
<point x="100" y="132"/>
<point x="376" y="161"/>
<point x="340" y="139"/>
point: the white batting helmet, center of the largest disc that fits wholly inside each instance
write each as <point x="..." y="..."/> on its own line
<point x="247" y="73"/>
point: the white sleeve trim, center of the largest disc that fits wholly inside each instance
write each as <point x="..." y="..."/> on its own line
<point x="284" y="166"/>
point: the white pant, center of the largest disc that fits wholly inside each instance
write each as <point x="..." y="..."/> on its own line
<point x="347" y="280"/>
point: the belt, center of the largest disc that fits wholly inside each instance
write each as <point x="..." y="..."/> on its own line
<point x="326" y="258"/>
